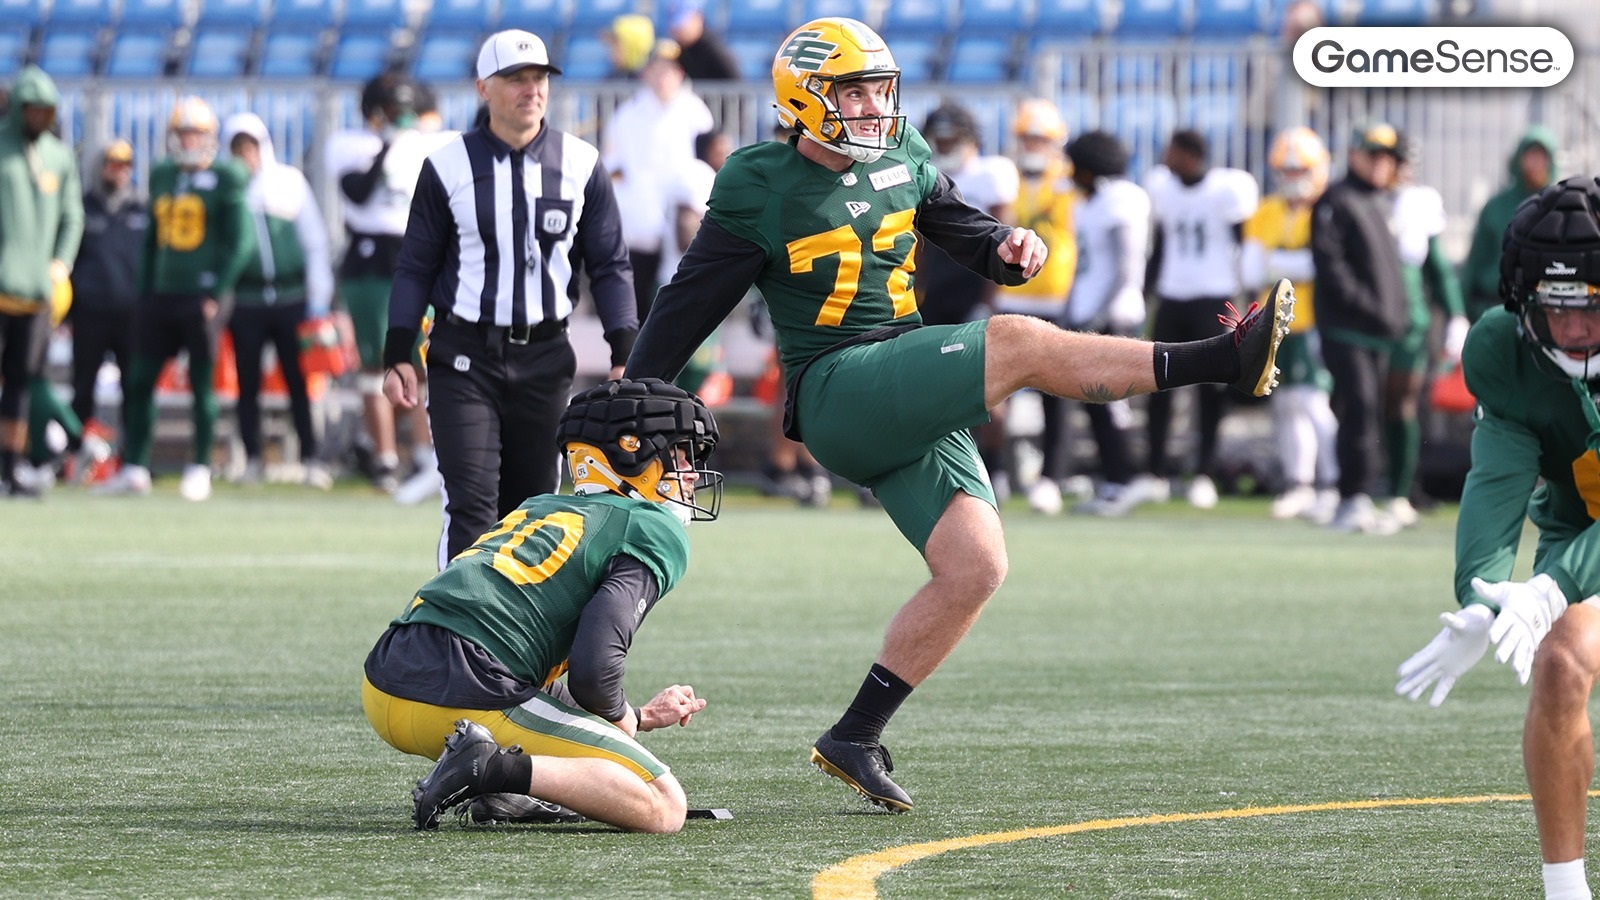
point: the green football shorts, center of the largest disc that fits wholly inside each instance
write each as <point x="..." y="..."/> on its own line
<point x="893" y="416"/>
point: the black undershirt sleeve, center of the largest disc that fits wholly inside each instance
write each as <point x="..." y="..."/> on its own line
<point x="969" y="235"/>
<point x="716" y="271"/>
<point x="358" y="186"/>
<point x="598" y="658"/>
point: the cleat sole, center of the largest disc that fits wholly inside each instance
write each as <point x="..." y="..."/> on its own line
<point x="828" y="768"/>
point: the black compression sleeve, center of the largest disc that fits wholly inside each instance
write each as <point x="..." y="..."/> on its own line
<point x="598" y="658"/>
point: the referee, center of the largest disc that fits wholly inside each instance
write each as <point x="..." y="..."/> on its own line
<point x="501" y="219"/>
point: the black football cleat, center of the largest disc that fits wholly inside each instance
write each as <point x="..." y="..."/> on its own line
<point x="1257" y="335"/>
<point x="456" y="776"/>
<point x="865" y="767"/>
<point x="518" y="809"/>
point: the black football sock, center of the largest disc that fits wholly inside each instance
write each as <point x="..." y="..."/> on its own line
<point x="881" y="694"/>
<point x="1214" y="360"/>
<point x="508" y="773"/>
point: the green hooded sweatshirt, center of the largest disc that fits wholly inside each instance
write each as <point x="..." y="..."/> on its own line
<point x="1480" y="274"/>
<point x="41" y="204"/>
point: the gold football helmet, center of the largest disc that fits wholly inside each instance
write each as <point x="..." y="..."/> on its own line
<point x="626" y="437"/>
<point x="191" y="114"/>
<point x="1300" y="161"/>
<point x="1038" y="117"/>
<point x="814" y="59"/>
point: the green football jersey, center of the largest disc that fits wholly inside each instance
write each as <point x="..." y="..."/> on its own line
<point x="519" y="591"/>
<point x="1534" y="456"/>
<point x="200" y="237"/>
<point x="838" y="244"/>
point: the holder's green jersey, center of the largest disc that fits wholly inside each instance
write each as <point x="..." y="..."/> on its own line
<point x="1534" y="456"/>
<point x="519" y="591"/>
<point x="200" y="237"/>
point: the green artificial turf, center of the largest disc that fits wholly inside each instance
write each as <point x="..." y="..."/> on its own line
<point x="182" y="712"/>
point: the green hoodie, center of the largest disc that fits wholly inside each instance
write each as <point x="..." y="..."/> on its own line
<point x="1480" y="274"/>
<point x="41" y="218"/>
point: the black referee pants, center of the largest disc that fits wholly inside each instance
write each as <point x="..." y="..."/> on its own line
<point x="493" y="407"/>
<point x="1359" y="374"/>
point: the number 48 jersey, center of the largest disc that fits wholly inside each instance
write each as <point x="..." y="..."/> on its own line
<point x="838" y="244"/>
<point x="200" y="237"/>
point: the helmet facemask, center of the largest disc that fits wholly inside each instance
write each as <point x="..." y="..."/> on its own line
<point x="843" y="134"/>
<point x="688" y="489"/>
<point x="1576" y="360"/>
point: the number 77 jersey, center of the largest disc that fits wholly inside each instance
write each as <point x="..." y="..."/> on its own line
<point x="838" y="244"/>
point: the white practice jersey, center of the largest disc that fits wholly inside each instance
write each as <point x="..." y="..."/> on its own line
<point x="1199" y="253"/>
<point x="1107" y="290"/>
<point x="1418" y="217"/>
<point x="388" y="207"/>
<point x="988" y="181"/>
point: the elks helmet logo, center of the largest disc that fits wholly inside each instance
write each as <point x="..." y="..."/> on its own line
<point x="805" y="53"/>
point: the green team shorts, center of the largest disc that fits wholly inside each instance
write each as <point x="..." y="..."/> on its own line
<point x="1300" y="361"/>
<point x="367" y="302"/>
<point x="893" y="416"/>
<point x="1409" y="353"/>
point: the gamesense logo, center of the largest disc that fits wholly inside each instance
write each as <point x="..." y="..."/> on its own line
<point x="1433" y="57"/>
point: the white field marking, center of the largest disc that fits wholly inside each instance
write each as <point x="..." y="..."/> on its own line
<point x="856" y="878"/>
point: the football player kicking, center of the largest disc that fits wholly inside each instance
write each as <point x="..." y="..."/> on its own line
<point x="1534" y="368"/>
<point x="467" y="673"/>
<point x="824" y="225"/>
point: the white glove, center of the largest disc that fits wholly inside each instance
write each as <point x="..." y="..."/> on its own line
<point x="1455" y="337"/>
<point x="1449" y="655"/>
<point x="1528" y="610"/>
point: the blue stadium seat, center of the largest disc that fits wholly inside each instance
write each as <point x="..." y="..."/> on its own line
<point x="81" y="12"/>
<point x="771" y="19"/>
<point x="849" y="9"/>
<point x="585" y="58"/>
<point x="291" y="54"/>
<point x="358" y="56"/>
<point x="17" y="21"/>
<point x="219" y="51"/>
<point x="980" y="58"/>
<point x="992" y="18"/>
<point x="372" y="17"/>
<point x="594" y="16"/>
<point x="1395" y="12"/>
<point x="542" y="17"/>
<point x="1060" y="21"/>
<point x="1276" y="9"/>
<point x="445" y="57"/>
<point x="1153" y="19"/>
<point x="151" y="15"/>
<point x="293" y="45"/>
<point x="754" y="53"/>
<point x="918" y="56"/>
<point x="224" y="36"/>
<point x="301" y="14"/>
<point x="1227" y="19"/>
<point x="70" y="51"/>
<point x="138" y="54"/>
<point x="15" y="42"/>
<point x="474" y="17"/>
<point x="905" y="18"/>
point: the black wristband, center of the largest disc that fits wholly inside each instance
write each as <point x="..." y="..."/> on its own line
<point x="621" y="341"/>
<point x="397" y="346"/>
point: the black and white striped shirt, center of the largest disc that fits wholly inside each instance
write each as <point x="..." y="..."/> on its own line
<point x="496" y="236"/>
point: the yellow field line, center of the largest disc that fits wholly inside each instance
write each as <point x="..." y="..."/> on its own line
<point x="856" y="878"/>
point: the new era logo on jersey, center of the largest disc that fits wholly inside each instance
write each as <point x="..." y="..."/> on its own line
<point x="1557" y="267"/>
<point x="856" y="208"/>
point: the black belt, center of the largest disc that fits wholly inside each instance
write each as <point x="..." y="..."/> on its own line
<point x="515" y="334"/>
